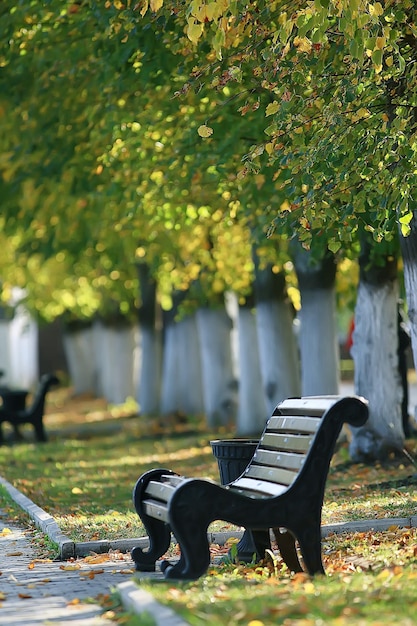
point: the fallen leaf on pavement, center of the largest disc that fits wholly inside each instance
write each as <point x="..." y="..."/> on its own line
<point x="97" y="558"/>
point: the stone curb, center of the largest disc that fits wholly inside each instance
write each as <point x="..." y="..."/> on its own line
<point x="133" y="597"/>
<point x="139" y="601"/>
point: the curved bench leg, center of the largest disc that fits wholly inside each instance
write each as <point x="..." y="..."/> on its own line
<point x="261" y="541"/>
<point x="40" y="431"/>
<point x="195" y="554"/>
<point x="158" y="531"/>
<point x="309" y="540"/>
<point x="286" y="545"/>
<point x="159" y="535"/>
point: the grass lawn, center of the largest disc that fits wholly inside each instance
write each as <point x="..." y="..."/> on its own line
<point x="85" y="474"/>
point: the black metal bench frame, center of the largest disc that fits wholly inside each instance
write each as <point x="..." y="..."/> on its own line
<point x="32" y="414"/>
<point x="281" y="489"/>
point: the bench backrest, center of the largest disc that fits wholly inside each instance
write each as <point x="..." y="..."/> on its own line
<point x="285" y="444"/>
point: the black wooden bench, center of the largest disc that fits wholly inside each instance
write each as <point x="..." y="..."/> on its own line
<point x="281" y="489"/>
<point x="16" y="413"/>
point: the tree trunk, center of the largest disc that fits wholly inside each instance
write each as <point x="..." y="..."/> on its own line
<point x="219" y="381"/>
<point x="318" y="339"/>
<point x="252" y="409"/>
<point x="181" y="392"/>
<point x="148" y="394"/>
<point x="22" y="348"/>
<point x="278" y="350"/>
<point x="115" y="348"/>
<point x="409" y="255"/>
<point x="375" y="355"/>
<point x="78" y="346"/>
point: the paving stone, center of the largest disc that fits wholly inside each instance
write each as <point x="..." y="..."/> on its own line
<point x="35" y="591"/>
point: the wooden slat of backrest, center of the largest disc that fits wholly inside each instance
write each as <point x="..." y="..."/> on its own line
<point x="312" y="405"/>
<point x="273" y="474"/>
<point x="156" y="509"/>
<point x="160" y="491"/>
<point x="257" y="488"/>
<point x="291" y="461"/>
<point x="290" y="443"/>
<point x="172" y="479"/>
<point x="293" y="424"/>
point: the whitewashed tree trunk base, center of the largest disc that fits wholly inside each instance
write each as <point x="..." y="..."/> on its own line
<point x="320" y="370"/>
<point x="181" y="371"/>
<point x="253" y="411"/>
<point x="148" y="394"/>
<point x="219" y="382"/>
<point x="115" y="351"/>
<point x="78" y="347"/>
<point x="278" y="352"/>
<point x="374" y="351"/>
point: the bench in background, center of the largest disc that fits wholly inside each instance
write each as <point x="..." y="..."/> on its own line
<point x="16" y="413"/>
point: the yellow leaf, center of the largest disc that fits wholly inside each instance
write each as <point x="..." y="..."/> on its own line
<point x="269" y="147"/>
<point x="6" y="531"/>
<point x="156" y="4"/>
<point x="76" y="490"/>
<point x="204" y="131"/>
<point x="376" y="9"/>
<point x="144" y="7"/>
<point x="98" y="558"/>
<point x="303" y="44"/>
<point x="231" y="541"/>
<point x="285" y="206"/>
<point x="271" y="108"/>
<point x="194" y="30"/>
<point x="380" y="42"/>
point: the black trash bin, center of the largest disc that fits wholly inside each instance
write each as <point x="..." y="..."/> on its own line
<point x="233" y="456"/>
<point x="13" y="399"/>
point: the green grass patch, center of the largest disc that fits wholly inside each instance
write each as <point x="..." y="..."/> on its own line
<point x="370" y="580"/>
<point x="85" y="473"/>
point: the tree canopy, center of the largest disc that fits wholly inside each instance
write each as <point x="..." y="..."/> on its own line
<point x="171" y="132"/>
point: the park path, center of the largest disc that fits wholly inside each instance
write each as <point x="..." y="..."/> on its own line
<point x="35" y="592"/>
<point x="41" y="592"/>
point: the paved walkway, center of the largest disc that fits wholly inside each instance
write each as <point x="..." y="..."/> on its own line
<point x="33" y="591"/>
<point x="40" y="592"/>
